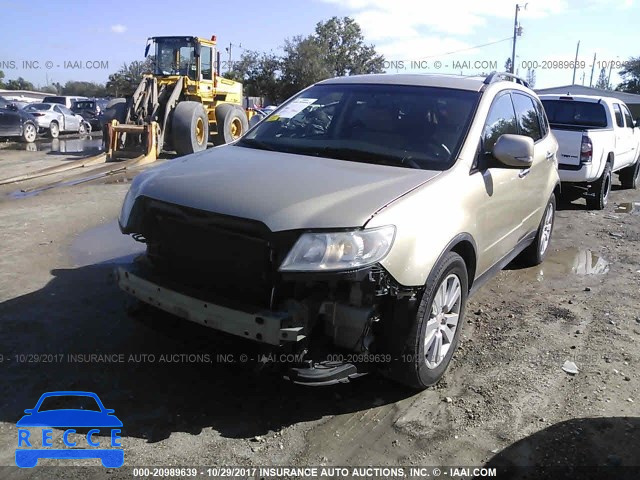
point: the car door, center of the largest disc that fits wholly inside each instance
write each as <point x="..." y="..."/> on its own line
<point x="535" y="179"/>
<point x="500" y="203"/>
<point x="4" y="122"/>
<point x="622" y="138"/>
<point x="10" y="122"/>
<point x="629" y="133"/>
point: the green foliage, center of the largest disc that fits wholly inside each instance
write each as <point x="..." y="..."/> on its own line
<point x="603" y="81"/>
<point x="126" y="80"/>
<point x="631" y="76"/>
<point x="19" y="84"/>
<point x="84" y="89"/>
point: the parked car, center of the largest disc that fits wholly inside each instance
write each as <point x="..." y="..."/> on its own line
<point x="356" y="220"/>
<point x="66" y="100"/>
<point x="597" y="137"/>
<point x="54" y="119"/>
<point x="16" y="123"/>
<point x="91" y="110"/>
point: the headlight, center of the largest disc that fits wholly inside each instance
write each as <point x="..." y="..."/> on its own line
<point x="340" y="250"/>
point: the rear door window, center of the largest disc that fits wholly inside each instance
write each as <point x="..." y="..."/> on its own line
<point x="618" y="113"/>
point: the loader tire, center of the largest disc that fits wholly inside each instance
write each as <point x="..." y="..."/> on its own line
<point x="232" y="123"/>
<point x="190" y="128"/>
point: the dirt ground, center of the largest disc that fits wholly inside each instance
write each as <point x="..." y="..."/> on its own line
<point x="504" y="401"/>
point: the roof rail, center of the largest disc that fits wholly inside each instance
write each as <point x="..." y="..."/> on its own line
<point x="497" y="76"/>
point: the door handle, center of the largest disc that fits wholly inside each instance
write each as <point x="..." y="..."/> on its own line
<point x="524" y="173"/>
<point x="550" y="155"/>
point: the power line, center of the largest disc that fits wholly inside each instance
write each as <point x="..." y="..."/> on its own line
<point x="462" y="49"/>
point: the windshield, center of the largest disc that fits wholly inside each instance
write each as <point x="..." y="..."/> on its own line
<point x="572" y="112"/>
<point x="175" y="56"/>
<point x="83" y="106"/>
<point x="408" y="126"/>
<point x="69" y="402"/>
<point x="60" y="100"/>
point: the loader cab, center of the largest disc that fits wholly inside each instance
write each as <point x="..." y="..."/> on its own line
<point x="189" y="57"/>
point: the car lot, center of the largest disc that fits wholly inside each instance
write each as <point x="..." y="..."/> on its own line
<point x="504" y="400"/>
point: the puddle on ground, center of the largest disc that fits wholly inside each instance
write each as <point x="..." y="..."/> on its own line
<point x="568" y="262"/>
<point x="104" y="244"/>
<point x="84" y="145"/>
<point x="629" y="207"/>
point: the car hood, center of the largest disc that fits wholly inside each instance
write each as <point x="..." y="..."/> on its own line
<point x="283" y="191"/>
<point x="69" y="418"/>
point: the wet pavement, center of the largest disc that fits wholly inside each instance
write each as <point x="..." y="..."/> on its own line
<point x="628" y="207"/>
<point x="104" y="244"/>
<point x="560" y="264"/>
<point x="64" y="145"/>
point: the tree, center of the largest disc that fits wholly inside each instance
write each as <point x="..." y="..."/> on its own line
<point x="84" y="89"/>
<point x="1" y="79"/>
<point x="19" y="84"/>
<point x="531" y="77"/>
<point x="303" y="64"/>
<point x="49" y="89"/>
<point x="126" y="80"/>
<point x="507" y="65"/>
<point x="342" y="43"/>
<point x="631" y="76"/>
<point x="603" y="82"/>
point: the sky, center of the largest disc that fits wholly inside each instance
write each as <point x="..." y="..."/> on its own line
<point x="47" y="42"/>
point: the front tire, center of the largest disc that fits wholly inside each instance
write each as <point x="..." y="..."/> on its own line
<point x="601" y="190"/>
<point x="535" y="253"/>
<point x="630" y="176"/>
<point x="54" y="130"/>
<point x="190" y="128"/>
<point x="435" y="330"/>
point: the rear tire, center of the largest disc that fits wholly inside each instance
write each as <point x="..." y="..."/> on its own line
<point x="630" y="176"/>
<point x="424" y="354"/>
<point x="190" y="128"/>
<point x="54" y="130"/>
<point x="29" y="132"/>
<point x="232" y="123"/>
<point x="535" y="253"/>
<point x="601" y="190"/>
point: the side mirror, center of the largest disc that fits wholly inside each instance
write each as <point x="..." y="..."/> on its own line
<point x="514" y="150"/>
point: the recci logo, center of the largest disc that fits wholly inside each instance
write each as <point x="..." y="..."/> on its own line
<point x="72" y="411"/>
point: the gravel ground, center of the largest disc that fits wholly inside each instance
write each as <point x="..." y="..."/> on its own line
<point x="505" y="400"/>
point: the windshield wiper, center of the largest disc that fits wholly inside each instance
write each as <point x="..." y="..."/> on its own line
<point x="253" y="143"/>
<point x="364" y="156"/>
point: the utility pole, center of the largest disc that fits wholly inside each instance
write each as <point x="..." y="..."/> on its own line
<point x="517" y="31"/>
<point x="609" y="77"/>
<point x="592" y="68"/>
<point x="231" y="45"/>
<point x="575" y="64"/>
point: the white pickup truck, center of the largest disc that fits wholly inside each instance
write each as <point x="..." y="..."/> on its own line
<point x="597" y="137"/>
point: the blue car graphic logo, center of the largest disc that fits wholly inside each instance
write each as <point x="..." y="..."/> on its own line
<point x="33" y="445"/>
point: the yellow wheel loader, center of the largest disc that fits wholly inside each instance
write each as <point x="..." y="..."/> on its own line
<point x="185" y="96"/>
<point x="179" y="107"/>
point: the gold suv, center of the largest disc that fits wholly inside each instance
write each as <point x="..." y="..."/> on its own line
<point x="349" y="227"/>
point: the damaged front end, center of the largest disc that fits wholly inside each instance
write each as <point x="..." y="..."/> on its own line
<point x="236" y="276"/>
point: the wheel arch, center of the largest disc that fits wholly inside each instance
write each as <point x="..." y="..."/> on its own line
<point x="464" y="245"/>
